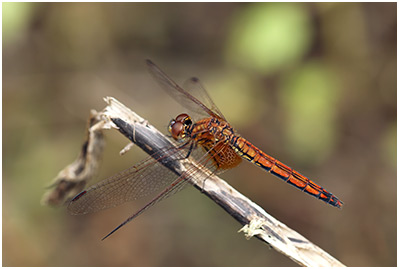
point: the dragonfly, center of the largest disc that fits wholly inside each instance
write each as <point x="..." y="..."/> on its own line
<point x="210" y="140"/>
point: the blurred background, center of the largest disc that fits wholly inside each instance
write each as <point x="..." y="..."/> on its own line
<point x="313" y="85"/>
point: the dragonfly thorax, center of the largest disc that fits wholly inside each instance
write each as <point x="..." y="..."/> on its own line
<point x="178" y="127"/>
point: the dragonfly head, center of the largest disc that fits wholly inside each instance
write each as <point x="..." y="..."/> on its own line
<point x="179" y="125"/>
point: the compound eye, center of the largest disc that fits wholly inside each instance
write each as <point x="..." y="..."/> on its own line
<point x="182" y="117"/>
<point x="176" y="129"/>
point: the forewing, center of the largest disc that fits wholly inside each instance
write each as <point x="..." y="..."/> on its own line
<point x="194" y="87"/>
<point x="180" y="95"/>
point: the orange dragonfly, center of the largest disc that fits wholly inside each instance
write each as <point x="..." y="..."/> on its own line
<point x="213" y="142"/>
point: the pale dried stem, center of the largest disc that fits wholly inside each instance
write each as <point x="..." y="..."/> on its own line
<point x="255" y="220"/>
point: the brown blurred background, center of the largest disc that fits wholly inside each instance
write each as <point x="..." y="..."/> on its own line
<point x="313" y="85"/>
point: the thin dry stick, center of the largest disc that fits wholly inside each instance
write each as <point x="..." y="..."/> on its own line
<point x="256" y="221"/>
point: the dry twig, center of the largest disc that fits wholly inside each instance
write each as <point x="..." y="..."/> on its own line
<point x="255" y="220"/>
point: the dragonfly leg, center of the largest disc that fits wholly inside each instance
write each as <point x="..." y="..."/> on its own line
<point x="190" y="149"/>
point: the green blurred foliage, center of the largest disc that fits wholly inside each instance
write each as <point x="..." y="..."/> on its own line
<point x="16" y="18"/>
<point x="269" y="36"/>
<point x="309" y="98"/>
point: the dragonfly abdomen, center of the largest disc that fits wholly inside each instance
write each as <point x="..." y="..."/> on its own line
<point x="250" y="152"/>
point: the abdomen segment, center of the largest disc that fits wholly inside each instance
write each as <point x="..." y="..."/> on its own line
<point x="248" y="151"/>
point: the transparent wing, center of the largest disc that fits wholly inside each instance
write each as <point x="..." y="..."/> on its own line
<point x="209" y="159"/>
<point x="176" y="186"/>
<point x="135" y="182"/>
<point x="194" y="87"/>
<point x="197" y="100"/>
<point x="140" y="180"/>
